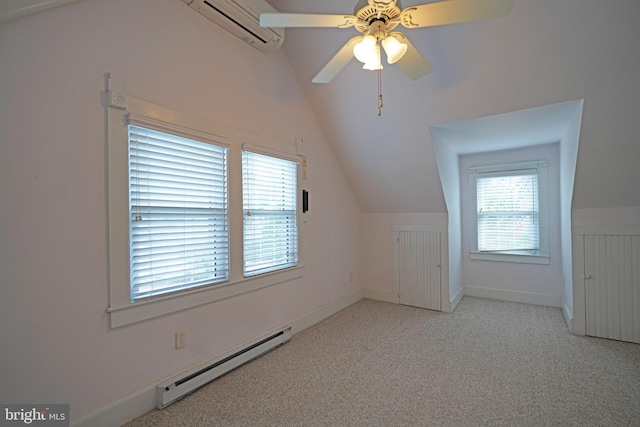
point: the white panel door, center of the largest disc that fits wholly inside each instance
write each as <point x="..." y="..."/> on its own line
<point x="418" y="268"/>
<point x="612" y="286"/>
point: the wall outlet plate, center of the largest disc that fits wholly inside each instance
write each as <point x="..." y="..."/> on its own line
<point x="181" y="339"/>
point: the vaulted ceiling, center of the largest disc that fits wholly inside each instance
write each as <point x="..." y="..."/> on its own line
<point x="545" y="52"/>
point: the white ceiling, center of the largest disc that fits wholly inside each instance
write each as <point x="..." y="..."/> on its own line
<point x="545" y="52"/>
<point x="517" y="129"/>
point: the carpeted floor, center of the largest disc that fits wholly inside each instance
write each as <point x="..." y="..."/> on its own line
<point x="490" y="363"/>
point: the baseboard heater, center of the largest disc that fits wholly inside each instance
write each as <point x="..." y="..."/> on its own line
<point x="177" y="388"/>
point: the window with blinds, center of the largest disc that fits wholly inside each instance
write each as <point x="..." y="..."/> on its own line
<point x="507" y="211"/>
<point x="179" y="237"/>
<point x="270" y="232"/>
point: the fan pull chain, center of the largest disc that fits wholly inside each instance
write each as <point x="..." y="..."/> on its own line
<point x="380" y="89"/>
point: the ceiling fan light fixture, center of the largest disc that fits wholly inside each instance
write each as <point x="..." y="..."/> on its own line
<point x="374" y="63"/>
<point x="377" y="18"/>
<point x="365" y="51"/>
<point x="394" y="49"/>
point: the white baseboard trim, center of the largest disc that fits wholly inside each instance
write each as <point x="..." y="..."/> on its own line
<point x="121" y="411"/>
<point x="381" y="296"/>
<point x="325" y="311"/>
<point x="568" y="315"/>
<point x="457" y="298"/>
<point x="514" y="296"/>
<point x="144" y="400"/>
<point x="393" y="298"/>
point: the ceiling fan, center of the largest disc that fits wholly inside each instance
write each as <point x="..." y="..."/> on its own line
<point x="376" y="20"/>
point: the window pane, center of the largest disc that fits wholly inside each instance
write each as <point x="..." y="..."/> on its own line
<point x="508" y="213"/>
<point x="178" y="212"/>
<point x="269" y="201"/>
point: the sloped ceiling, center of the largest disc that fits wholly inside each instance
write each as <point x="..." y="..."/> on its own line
<point x="545" y="52"/>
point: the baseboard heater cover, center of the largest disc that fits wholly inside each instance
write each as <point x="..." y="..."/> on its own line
<point x="177" y="388"/>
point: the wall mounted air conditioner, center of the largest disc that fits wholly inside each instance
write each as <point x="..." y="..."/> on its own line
<point x="242" y="19"/>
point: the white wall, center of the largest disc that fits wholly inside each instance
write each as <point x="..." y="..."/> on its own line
<point x="568" y="152"/>
<point x="449" y="171"/>
<point x="606" y="216"/>
<point x="57" y="344"/>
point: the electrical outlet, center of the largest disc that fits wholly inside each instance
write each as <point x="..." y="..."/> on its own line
<point x="181" y="339"/>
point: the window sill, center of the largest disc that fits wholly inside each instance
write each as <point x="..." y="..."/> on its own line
<point x="510" y="257"/>
<point x="144" y="310"/>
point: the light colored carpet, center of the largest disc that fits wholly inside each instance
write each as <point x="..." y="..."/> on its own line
<point x="490" y="363"/>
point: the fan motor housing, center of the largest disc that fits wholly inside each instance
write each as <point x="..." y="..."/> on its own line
<point x="367" y="14"/>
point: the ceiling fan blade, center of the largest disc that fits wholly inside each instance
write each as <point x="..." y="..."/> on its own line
<point x="337" y="63"/>
<point x="298" y="20"/>
<point x="453" y="11"/>
<point x="412" y="63"/>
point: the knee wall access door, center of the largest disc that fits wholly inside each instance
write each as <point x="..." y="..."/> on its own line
<point x="418" y="266"/>
<point x="612" y="286"/>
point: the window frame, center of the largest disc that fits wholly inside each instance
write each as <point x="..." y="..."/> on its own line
<point x="218" y="150"/>
<point x="121" y="310"/>
<point x="296" y="161"/>
<point x="542" y="256"/>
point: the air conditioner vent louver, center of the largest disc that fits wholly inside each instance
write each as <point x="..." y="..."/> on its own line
<point x="239" y="24"/>
<point x="242" y="19"/>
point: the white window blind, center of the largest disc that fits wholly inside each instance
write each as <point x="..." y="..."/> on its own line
<point x="507" y="211"/>
<point x="178" y="213"/>
<point x="269" y="189"/>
